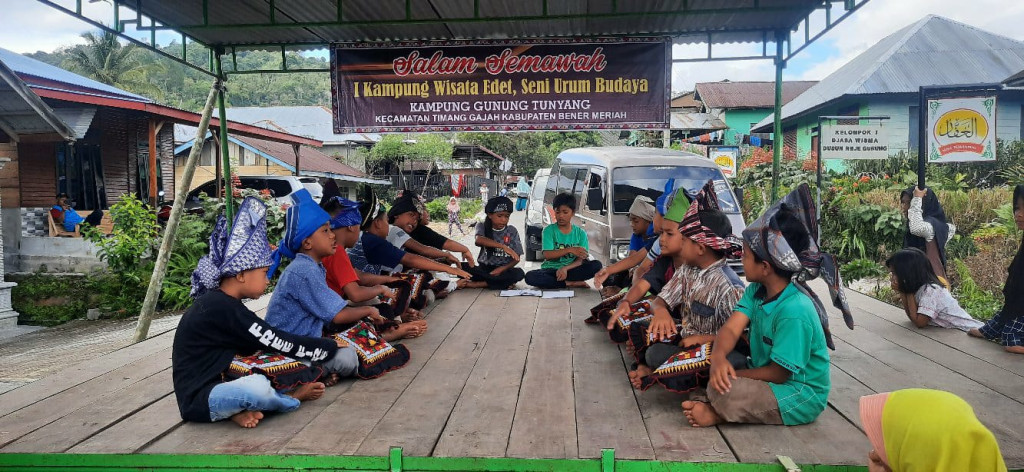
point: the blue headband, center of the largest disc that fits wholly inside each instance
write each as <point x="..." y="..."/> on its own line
<point x="662" y="203"/>
<point x="303" y="218"/>
<point x="348" y="216"/>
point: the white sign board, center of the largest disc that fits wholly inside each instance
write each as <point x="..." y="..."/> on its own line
<point x="962" y="129"/>
<point x="867" y="141"/>
<point x="725" y="157"/>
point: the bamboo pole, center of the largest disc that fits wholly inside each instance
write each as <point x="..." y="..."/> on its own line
<point x="159" y="270"/>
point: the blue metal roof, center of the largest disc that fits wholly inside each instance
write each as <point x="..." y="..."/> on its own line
<point x="932" y="51"/>
<point x="23" y="65"/>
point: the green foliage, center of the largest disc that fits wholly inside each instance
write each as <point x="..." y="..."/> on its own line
<point x="861" y="269"/>
<point x="105" y="59"/>
<point x="470" y="207"/>
<point x="981" y="304"/>
<point x="121" y="294"/>
<point x="438" y="208"/>
<point x="961" y="247"/>
<point x="529" y="151"/>
<point x="851" y="229"/>
<point x="134" y="235"/>
<point x="190" y="244"/>
<point x="755" y="178"/>
<point x="49" y="300"/>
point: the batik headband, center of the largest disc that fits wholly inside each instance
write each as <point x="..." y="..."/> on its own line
<point x="245" y="247"/>
<point x="691" y="226"/>
<point x="347" y="216"/>
<point x="765" y="238"/>
<point x="369" y="210"/>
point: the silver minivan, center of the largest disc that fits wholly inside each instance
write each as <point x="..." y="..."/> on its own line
<point x="606" y="180"/>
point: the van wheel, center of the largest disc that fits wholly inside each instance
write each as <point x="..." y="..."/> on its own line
<point x="531" y="255"/>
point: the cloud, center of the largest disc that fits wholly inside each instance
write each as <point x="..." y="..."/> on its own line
<point x="33" y="26"/>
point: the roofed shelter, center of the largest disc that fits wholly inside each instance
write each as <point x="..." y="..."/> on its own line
<point x="740" y="105"/>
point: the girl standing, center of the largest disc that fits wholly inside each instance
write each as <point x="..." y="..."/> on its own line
<point x="453" y="216"/>
<point x="1007" y="327"/>
<point x="925" y="300"/>
<point x="500" y="248"/>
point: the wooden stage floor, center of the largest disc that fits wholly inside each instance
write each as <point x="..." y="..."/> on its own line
<point x="514" y="377"/>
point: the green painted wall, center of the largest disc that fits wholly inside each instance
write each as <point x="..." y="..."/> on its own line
<point x="739" y="122"/>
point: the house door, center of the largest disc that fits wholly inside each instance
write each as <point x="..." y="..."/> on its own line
<point x="80" y="175"/>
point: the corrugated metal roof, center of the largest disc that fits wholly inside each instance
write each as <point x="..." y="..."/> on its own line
<point x="684" y="100"/>
<point x="932" y="51"/>
<point x="696" y="121"/>
<point x="1016" y="80"/>
<point x="310" y="121"/>
<point x="22" y="112"/>
<point x="79" y="119"/>
<point x="726" y="94"/>
<point x="312" y="161"/>
<point x="378" y="20"/>
<point x="26" y="66"/>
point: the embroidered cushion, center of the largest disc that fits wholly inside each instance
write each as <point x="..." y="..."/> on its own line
<point x="608" y="304"/>
<point x="684" y="371"/>
<point x="283" y="372"/>
<point x="376" y="356"/>
<point x="639" y="312"/>
<point x="418" y="281"/>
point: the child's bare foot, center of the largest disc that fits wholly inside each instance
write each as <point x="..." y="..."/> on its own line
<point x="700" y="414"/>
<point x="247" y="419"/>
<point x="1015" y="349"/>
<point x="332" y="380"/>
<point x="975" y="332"/>
<point x="307" y="392"/>
<point x="636" y="377"/>
<point x="470" y="284"/>
<point x="412" y="314"/>
<point x="462" y="283"/>
<point x="577" y="285"/>
<point x="411" y="329"/>
<point x="609" y="290"/>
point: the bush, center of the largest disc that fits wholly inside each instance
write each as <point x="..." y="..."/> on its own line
<point x="49" y="300"/>
<point x="121" y="294"/>
<point x="438" y="208"/>
<point x="852" y="229"/>
<point x="190" y="244"/>
<point x="134" y="235"/>
<point x="980" y="303"/>
<point x="861" y="269"/>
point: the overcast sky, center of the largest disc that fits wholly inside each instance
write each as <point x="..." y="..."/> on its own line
<point x="29" y="26"/>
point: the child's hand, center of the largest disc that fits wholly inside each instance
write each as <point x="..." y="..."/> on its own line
<point x="374" y="315"/>
<point x="622" y="309"/>
<point x="579" y="252"/>
<point x="561" y="274"/>
<point x="511" y="253"/>
<point x="498" y="271"/>
<point x="721" y="375"/>
<point x="385" y="291"/>
<point x="662" y="327"/>
<point x="918" y="193"/>
<point x="460" y="273"/>
<point x="341" y="343"/>
<point x="600" y="277"/>
<point x="468" y="256"/>
<point x="451" y="258"/>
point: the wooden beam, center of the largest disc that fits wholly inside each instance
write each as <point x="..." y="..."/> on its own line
<point x="153" y="198"/>
<point x="216" y="163"/>
<point x="295" y="147"/>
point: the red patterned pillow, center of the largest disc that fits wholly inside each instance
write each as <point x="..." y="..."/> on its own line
<point x="283" y="372"/>
<point x="376" y="356"/>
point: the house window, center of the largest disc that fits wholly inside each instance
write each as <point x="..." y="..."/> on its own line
<point x="913" y="128"/>
<point x="80" y="175"/>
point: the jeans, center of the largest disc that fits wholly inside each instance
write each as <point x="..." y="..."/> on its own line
<point x="249" y="393"/>
<point x="344" y="363"/>
<point x="546" y="278"/>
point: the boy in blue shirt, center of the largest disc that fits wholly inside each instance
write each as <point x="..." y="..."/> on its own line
<point x="565" y="250"/>
<point x="787" y="379"/>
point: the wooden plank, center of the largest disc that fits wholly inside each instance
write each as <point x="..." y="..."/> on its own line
<point x="135" y="432"/>
<point x="885" y="366"/>
<point x="481" y="422"/>
<point x="64" y="433"/>
<point x="82" y="372"/>
<point x="845" y="395"/>
<point x="607" y="415"/>
<point x="36" y="415"/>
<point x="439" y="385"/>
<point x="978" y="370"/>
<point x="373" y="399"/>
<point x="830" y="439"/>
<point x="545" y="422"/>
<point x="671" y="436"/>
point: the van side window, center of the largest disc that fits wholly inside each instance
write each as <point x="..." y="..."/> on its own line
<point x="566" y="179"/>
<point x="595" y="190"/>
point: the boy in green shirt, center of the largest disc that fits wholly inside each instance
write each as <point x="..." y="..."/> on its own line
<point x="787" y="379"/>
<point x="565" y="250"/>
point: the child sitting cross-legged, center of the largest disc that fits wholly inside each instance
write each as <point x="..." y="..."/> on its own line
<point x="925" y="300"/>
<point x="302" y="303"/>
<point x="217" y="328"/>
<point x="565" y="250"/>
<point x="703" y="291"/>
<point x="787" y="377"/>
<point x="343" y="279"/>
<point x="500" y="248"/>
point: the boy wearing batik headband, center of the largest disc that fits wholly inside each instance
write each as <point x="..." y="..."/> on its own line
<point x="500" y="248"/>
<point x="302" y="303"/>
<point x="787" y="379"/>
<point x="345" y="281"/>
<point x="703" y="291"/>
<point x="218" y="326"/>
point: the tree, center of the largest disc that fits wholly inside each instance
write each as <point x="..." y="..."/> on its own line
<point x="105" y="59"/>
<point x="397" y="148"/>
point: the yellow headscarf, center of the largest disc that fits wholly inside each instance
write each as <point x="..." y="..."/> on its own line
<point x="931" y="430"/>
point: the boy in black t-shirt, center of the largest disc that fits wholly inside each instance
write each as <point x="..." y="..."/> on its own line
<point x="217" y="327"/>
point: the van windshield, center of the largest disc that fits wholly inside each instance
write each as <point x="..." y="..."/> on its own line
<point x="650" y="181"/>
<point x="539" y="184"/>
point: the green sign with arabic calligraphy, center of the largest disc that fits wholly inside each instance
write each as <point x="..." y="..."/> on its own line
<point x="962" y="129"/>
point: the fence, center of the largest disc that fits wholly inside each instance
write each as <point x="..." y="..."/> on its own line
<point x="439" y="185"/>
